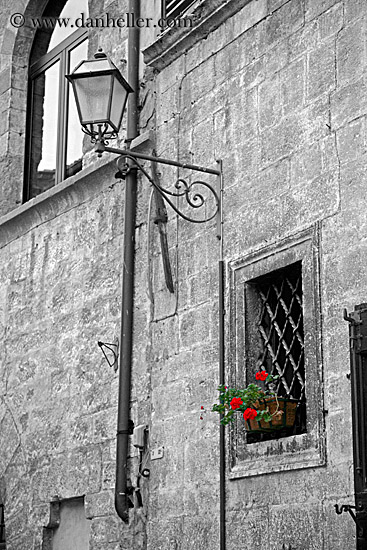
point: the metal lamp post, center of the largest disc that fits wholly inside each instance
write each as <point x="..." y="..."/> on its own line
<point x="101" y="95"/>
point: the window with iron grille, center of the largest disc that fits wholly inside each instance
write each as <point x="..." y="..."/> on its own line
<point x="2" y="528"/>
<point x="275" y="324"/>
<point x="175" y="8"/>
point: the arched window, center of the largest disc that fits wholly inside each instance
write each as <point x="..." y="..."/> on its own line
<point x="54" y="138"/>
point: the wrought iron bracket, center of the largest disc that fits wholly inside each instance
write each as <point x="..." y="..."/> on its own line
<point x="358" y="336"/>
<point x="113" y="348"/>
<point x="353" y="318"/>
<point x="349" y="508"/>
<point x="195" y="194"/>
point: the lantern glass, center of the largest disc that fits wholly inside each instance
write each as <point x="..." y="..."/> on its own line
<point x="101" y="93"/>
<point x="93" y="93"/>
<point x="118" y="102"/>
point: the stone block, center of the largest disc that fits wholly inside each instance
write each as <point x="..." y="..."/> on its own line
<point x="105" y="530"/>
<point x="253" y="75"/>
<point x="351" y="140"/>
<point x="249" y="529"/>
<point x="348" y="103"/>
<point x="165" y="339"/>
<point x="99" y="504"/>
<point x="313" y="8"/>
<point x="306" y="165"/>
<point x="270" y="110"/>
<point x="226" y="62"/>
<point x="301" y="526"/>
<point x="249" y="47"/>
<point x="194" y="327"/>
<point x="275" y="4"/>
<point x="281" y="140"/>
<point x="163" y="534"/>
<point x="312" y="202"/>
<point x="321" y="76"/>
<point x="354" y="9"/>
<point x="351" y="52"/>
<point x="198" y="83"/>
<point x="286" y="20"/>
<point x="331" y="21"/>
<point x="292" y="86"/>
<point x="304" y="40"/>
<point x="199" y="532"/>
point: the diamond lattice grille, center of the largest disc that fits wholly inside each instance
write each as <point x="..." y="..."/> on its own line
<point x="281" y="329"/>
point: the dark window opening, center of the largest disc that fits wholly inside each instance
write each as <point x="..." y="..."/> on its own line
<point x="2" y="528"/>
<point x="275" y="339"/>
<point x="175" y="8"/>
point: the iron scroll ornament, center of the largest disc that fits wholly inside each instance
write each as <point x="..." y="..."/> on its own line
<point x="194" y="199"/>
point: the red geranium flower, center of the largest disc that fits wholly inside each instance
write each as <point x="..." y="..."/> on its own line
<point x="261" y="375"/>
<point x="249" y="414"/>
<point x="236" y="403"/>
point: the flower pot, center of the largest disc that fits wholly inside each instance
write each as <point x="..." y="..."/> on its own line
<point x="283" y="413"/>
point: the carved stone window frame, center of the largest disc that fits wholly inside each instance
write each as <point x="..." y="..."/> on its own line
<point x="305" y="450"/>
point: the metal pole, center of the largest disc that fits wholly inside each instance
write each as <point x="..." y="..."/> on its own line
<point x="222" y="439"/>
<point x="124" y="397"/>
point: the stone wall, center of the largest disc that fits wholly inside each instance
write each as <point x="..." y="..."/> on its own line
<point x="276" y="90"/>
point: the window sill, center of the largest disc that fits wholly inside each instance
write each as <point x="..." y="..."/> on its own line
<point x="86" y="184"/>
<point x="207" y="16"/>
<point x="57" y="200"/>
<point x="281" y="455"/>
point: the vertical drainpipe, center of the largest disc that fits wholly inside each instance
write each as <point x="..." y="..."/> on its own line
<point x="124" y="396"/>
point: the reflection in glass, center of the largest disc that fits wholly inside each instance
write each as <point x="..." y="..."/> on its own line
<point x="74" y="144"/>
<point x="69" y="20"/>
<point x="44" y="130"/>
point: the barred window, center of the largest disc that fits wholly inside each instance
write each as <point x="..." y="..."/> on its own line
<point x="276" y="338"/>
<point x="175" y="8"/>
<point x="274" y="324"/>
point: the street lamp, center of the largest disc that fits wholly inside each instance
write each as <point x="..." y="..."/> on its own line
<point x="101" y="94"/>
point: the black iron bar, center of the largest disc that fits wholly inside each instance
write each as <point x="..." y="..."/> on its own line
<point x="101" y="148"/>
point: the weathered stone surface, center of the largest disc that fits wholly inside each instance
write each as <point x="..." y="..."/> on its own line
<point x="277" y="91"/>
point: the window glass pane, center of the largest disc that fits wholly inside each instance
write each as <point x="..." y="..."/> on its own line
<point x="44" y="130"/>
<point x="72" y="10"/>
<point x="74" y="147"/>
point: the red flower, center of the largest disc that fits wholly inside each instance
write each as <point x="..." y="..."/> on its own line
<point x="261" y="375"/>
<point x="236" y="403"/>
<point x="249" y="414"/>
<point x="202" y="408"/>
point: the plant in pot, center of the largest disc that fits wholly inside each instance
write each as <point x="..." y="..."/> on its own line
<point x="261" y="408"/>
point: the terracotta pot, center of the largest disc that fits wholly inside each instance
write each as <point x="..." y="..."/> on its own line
<point x="284" y="411"/>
